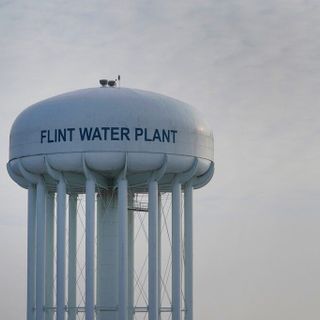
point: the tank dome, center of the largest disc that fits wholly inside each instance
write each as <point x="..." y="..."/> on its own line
<point x="110" y="127"/>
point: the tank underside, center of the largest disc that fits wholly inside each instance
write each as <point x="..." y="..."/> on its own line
<point x="106" y="167"/>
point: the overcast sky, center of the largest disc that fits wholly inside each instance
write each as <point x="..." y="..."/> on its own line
<point x="252" y="67"/>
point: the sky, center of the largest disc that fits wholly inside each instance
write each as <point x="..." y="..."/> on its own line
<point x="252" y="68"/>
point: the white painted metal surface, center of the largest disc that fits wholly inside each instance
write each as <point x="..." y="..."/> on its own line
<point x="159" y="251"/>
<point x="72" y="258"/>
<point x="153" y="219"/>
<point x="176" y="251"/>
<point x="109" y="144"/>
<point x="102" y="258"/>
<point x="106" y="123"/>
<point x="40" y="128"/>
<point x="61" y="251"/>
<point x="130" y="258"/>
<point x="188" y="248"/>
<point x="107" y="256"/>
<point x="90" y="248"/>
<point x="40" y="253"/>
<point x="31" y="251"/>
<point x="123" y="248"/>
<point x="49" y="255"/>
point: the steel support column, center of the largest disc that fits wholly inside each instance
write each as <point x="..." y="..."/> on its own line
<point x="153" y="251"/>
<point x="176" y="251"/>
<point x="188" y="247"/>
<point x="72" y="258"/>
<point x="123" y="248"/>
<point x="61" y="252"/>
<point x="130" y="258"/>
<point x="49" y="256"/>
<point x="40" y="236"/>
<point x="159" y="250"/>
<point x="31" y="251"/>
<point x="90" y="248"/>
<point x="101" y="199"/>
<point x="107" y="255"/>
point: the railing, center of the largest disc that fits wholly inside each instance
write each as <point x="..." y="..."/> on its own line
<point x="108" y="309"/>
<point x="139" y="206"/>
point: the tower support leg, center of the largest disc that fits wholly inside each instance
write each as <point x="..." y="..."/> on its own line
<point x="41" y="222"/>
<point x="153" y="251"/>
<point x="72" y="259"/>
<point x="101" y="254"/>
<point x="130" y="258"/>
<point x="123" y="248"/>
<point x="107" y="255"/>
<point x="188" y="245"/>
<point x="31" y="251"/>
<point x="49" y="255"/>
<point x="61" y="244"/>
<point x="90" y="248"/>
<point x="159" y="250"/>
<point x="176" y="251"/>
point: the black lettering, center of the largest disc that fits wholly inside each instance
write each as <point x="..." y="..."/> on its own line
<point x="62" y="135"/>
<point x="85" y="133"/>
<point x="156" y="135"/>
<point x="105" y="132"/>
<point x="146" y="135"/>
<point x="165" y="135"/>
<point x="96" y="134"/>
<point x="115" y="133"/>
<point x="138" y="133"/>
<point x="49" y="140"/>
<point x="43" y="135"/>
<point x="70" y="130"/>
<point x="174" y="135"/>
<point x="125" y="133"/>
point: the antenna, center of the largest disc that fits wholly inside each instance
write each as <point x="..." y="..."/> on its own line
<point x="110" y="83"/>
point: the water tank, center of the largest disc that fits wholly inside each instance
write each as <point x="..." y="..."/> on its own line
<point x="108" y="144"/>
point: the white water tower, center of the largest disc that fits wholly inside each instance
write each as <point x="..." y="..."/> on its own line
<point x="87" y="158"/>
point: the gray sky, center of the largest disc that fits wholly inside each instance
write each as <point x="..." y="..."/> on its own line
<point x="253" y="68"/>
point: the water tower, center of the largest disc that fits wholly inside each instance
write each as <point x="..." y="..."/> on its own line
<point x="88" y="158"/>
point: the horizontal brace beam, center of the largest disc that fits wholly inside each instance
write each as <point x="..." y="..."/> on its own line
<point x="112" y="309"/>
